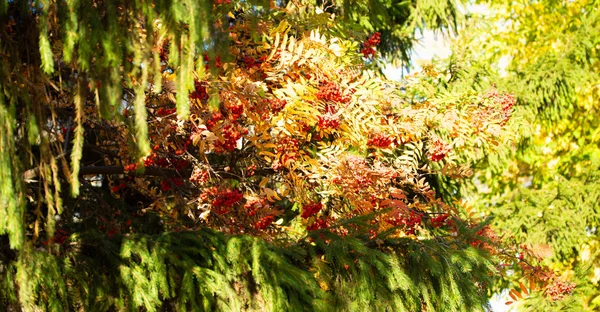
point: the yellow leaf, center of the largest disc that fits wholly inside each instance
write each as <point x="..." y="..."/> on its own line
<point x="292" y="44"/>
<point x="263" y="182"/>
<point x="282" y="27"/>
<point x="275" y="45"/>
<point x="267" y="154"/>
<point x="300" y="48"/>
<point x="271" y="194"/>
<point x="284" y="42"/>
<point x="269" y="145"/>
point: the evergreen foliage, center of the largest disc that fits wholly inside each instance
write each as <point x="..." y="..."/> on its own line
<point x="542" y="187"/>
<point x="206" y="270"/>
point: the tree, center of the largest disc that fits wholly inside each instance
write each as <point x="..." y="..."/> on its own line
<point x="543" y="188"/>
<point x="231" y="156"/>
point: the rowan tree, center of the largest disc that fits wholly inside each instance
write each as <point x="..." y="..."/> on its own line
<point x="232" y="156"/>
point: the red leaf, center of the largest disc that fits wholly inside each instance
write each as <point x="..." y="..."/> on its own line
<point x="514" y="294"/>
<point x="524" y="289"/>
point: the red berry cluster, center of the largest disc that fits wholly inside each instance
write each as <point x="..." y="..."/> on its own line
<point x="231" y="135"/>
<point x="487" y="234"/>
<point x="199" y="92"/>
<point x="213" y="120"/>
<point x="180" y="152"/>
<point x="410" y="222"/>
<point x="177" y="163"/>
<point x="311" y="209"/>
<point x="236" y="111"/>
<point x="441" y="220"/>
<point x="264" y="222"/>
<point x="130" y="167"/>
<point x="252" y="62"/>
<point x="329" y="121"/>
<point x="362" y="178"/>
<point x="558" y="289"/>
<point x="319" y="224"/>
<point x="64" y="129"/>
<point x="60" y="236"/>
<point x="368" y="47"/>
<point x="438" y="151"/>
<point x="208" y="192"/>
<point x="331" y="92"/>
<point x="226" y="199"/>
<point x="508" y="102"/>
<point x="505" y="100"/>
<point x="165" y="111"/>
<point x="162" y="162"/>
<point x="251" y="170"/>
<point x="287" y="145"/>
<point x="253" y="206"/>
<point x="199" y="176"/>
<point x="119" y="187"/>
<point x="167" y="185"/>
<point x="277" y="105"/>
<point x="374" y="200"/>
<point x="149" y="161"/>
<point x="380" y="140"/>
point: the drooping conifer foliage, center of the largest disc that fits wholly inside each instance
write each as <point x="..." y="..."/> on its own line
<point x="543" y="187"/>
<point x="191" y="155"/>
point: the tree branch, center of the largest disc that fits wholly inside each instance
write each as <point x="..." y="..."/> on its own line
<point x="31" y="174"/>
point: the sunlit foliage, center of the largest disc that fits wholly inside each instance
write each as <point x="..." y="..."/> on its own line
<point x="542" y="187"/>
<point x="233" y="156"/>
